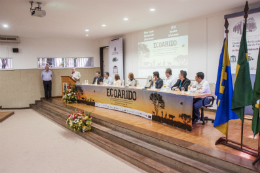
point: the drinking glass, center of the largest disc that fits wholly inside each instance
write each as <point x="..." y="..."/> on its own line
<point x="182" y="90"/>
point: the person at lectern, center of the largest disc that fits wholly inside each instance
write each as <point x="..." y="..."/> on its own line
<point x="75" y="75"/>
<point x="117" y="81"/>
<point x="157" y="80"/>
<point x="170" y="80"/>
<point x="107" y="80"/>
<point x="200" y="86"/>
<point x="98" y="79"/>
<point x="47" y="77"/>
<point x="181" y="82"/>
<point x="131" y="80"/>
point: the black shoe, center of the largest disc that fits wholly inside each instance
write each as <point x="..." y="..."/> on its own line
<point x="194" y="120"/>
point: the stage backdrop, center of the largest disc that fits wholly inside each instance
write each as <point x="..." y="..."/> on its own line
<point x="116" y="58"/>
<point x="169" y="108"/>
<point x="236" y="22"/>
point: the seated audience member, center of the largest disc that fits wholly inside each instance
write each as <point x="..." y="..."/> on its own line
<point x="131" y="80"/>
<point x="200" y="86"/>
<point x="107" y="80"/>
<point x="157" y="80"/>
<point x="98" y="78"/>
<point x="117" y="80"/>
<point x="170" y="80"/>
<point x="181" y="82"/>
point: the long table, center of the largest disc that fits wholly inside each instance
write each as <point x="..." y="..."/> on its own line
<point x="170" y="107"/>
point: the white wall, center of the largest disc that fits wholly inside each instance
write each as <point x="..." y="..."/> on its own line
<point x="31" y="49"/>
<point x="206" y="35"/>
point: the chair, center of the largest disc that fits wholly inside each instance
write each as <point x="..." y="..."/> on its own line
<point x="212" y="99"/>
<point x="122" y="81"/>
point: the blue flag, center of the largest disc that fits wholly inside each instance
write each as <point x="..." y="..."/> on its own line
<point x="224" y="92"/>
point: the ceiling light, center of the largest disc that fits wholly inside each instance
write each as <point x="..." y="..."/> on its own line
<point x="152" y="9"/>
<point x="5" y="25"/>
<point x="125" y="18"/>
<point x="87" y="30"/>
<point x="103" y="25"/>
<point x="87" y="35"/>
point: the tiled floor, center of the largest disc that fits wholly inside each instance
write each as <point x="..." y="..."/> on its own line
<point x="205" y="135"/>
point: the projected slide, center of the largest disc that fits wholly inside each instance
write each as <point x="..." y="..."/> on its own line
<point x="163" y="47"/>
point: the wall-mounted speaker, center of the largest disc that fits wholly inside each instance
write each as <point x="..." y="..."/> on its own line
<point x="15" y="50"/>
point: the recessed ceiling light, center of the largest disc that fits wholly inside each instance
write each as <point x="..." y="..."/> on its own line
<point x="87" y="35"/>
<point x="87" y="30"/>
<point x="103" y="25"/>
<point x="152" y="9"/>
<point x="5" y="25"/>
<point x="125" y="18"/>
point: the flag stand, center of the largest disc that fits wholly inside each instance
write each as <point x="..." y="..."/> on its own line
<point x="258" y="158"/>
<point x="230" y="143"/>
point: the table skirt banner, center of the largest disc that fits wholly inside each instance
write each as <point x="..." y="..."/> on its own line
<point x="165" y="107"/>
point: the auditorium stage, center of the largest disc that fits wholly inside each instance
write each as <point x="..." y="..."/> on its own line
<point x="201" y="135"/>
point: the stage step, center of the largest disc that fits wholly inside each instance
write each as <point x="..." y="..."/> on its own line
<point x="167" y="153"/>
<point x="135" y="158"/>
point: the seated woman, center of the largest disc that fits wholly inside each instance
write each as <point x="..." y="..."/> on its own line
<point x="131" y="80"/>
<point x="117" y="80"/>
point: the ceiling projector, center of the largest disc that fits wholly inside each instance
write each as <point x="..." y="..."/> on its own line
<point x="37" y="11"/>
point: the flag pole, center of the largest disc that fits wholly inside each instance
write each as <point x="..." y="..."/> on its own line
<point x="242" y="124"/>
<point x="226" y="31"/>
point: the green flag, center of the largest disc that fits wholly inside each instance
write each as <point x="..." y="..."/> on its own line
<point x="256" y="118"/>
<point x="243" y="92"/>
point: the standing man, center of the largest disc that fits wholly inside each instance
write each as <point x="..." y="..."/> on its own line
<point x="200" y="86"/>
<point x="98" y="78"/>
<point x="107" y="80"/>
<point x="182" y="82"/>
<point x="157" y="80"/>
<point x="47" y="77"/>
<point x="170" y="80"/>
<point x="75" y="75"/>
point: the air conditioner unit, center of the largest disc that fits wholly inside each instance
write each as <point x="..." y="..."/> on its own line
<point x="9" y="39"/>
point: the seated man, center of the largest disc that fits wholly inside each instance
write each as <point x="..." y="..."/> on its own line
<point x="107" y="80"/>
<point x="157" y="80"/>
<point x="98" y="78"/>
<point x="201" y="86"/>
<point x="170" y="80"/>
<point x="181" y="82"/>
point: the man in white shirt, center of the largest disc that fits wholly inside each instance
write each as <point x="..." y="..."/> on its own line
<point x="47" y="84"/>
<point x="76" y="76"/>
<point x="201" y="86"/>
<point x="170" y="80"/>
<point x="107" y="80"/>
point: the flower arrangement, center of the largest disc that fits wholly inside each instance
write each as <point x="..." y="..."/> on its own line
<point x="79" y="121"/>
<point x="69" y="94"/>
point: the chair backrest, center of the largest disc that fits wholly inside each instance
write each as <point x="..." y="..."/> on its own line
<point x="212" y="87"/>
<point x="135" y="82"/>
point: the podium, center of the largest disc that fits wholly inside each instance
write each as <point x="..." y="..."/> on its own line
<point x="65" y="81"/>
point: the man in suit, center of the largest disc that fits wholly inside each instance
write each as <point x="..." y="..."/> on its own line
<point x="75" y="75"/>
<point x="98" y="78"/>
<point x="181" y="82"/>
<point x="157" y="80"/>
